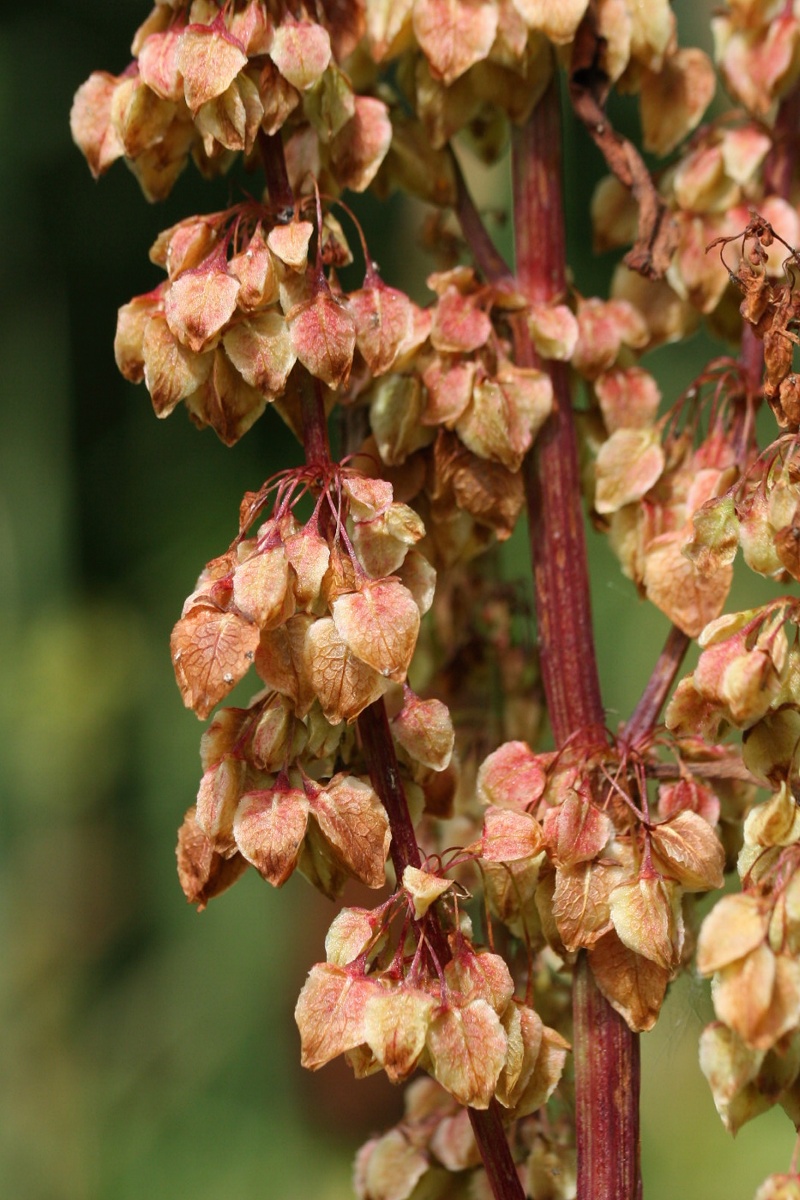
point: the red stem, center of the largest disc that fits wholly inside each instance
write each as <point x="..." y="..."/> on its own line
<point x="376" y="740"/>
<point x="315" y="426"/>
<point x="606" y="1051"/>
<point x="607" y="1113"/>
<point x="487" y="257"/>
<point x="487" y="1126"/>
<point x="558" y="544"/>
<point x="274" y="163"/>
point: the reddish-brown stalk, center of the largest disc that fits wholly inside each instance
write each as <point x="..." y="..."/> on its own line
<point x="606" y="1052"/>
<point x="315" y="428"/>
<point x="274" y="163"/>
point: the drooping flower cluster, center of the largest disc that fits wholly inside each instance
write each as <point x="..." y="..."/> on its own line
<point x="596" y="872"/>
<point x="756" y="45"/>
<point x="396" y="1006"/>
<point x="746" y="671"/>
<point x="479" y="65"/>
<point x="747" y="678"/>
<point x="757" y="514"/>
<point x="433" y="1146"/>
<point x="677" y="511"/>
<point x="460" y="416"/>
<point x="653" y="476"/>
<point x="771" y="307"/>
<point x="711" y="192"/>
<point x="207" y="80"/>
<point x="328" y="613"/>
<point x="242" y="306"/>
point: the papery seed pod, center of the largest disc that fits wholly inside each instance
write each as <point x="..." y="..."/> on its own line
<point x="353" y="822"/>
<point x="382" y="543"/>
<point x="217" y="800"/>
<point x="262" y="587"/>
<point x="211" y="651"/>
<point x="209" y="59"/>
<point x="260" y="348"/>
<point x="379" y="624"/>
<point x="343" y="684"/>
<point x="253" y="266"/>
<point x="269" y="828"/>
<point x="301" y="50"/>
<point x="199" y="302"/>
<point x="323" y="337"/>
<point x="202" y="871"/>
<point x="277" y="738"/>
<point x="223" y="734"/>
<point x="425" y="731"/>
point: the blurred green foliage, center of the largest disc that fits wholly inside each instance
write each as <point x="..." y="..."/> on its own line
<point x="147" y="1051"/>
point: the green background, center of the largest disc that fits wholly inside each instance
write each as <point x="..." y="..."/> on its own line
<point x="146" y="1050"/>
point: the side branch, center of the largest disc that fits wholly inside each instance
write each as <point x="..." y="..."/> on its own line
<point x="487" y="257"/>
<point x="646" y="713"/>
<point x="376" y="738"/>
<point x="657" y="235"/>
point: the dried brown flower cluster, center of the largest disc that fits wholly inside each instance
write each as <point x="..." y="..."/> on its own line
<point x="538" y="893"/>
<point x="207" y="80"/>
<point x="329" y="623"/>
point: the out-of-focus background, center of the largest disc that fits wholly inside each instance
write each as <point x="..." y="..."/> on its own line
<point x="146" y="1050"/>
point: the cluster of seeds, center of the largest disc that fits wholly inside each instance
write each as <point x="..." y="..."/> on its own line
<point x="242" y="305"/>
<point x="460" y="416"/>
<point x="710" y="192"/>
<point x="434" y="1142"/>
<point x="209" y="80"/>
<point x="746" y="671"/>
<point x="599" y="873"/>
<point x="397" y="1007"/>
<point x="480" y="65"/>
<point x="328" y="608"/>
<point x="756" y="46"/>
<point x="747" y="678"/>
<point x="328" y="612"/>
<point x="758" y="513"/>
<point x="771" y="306"/>
<point x="650" y="509"/>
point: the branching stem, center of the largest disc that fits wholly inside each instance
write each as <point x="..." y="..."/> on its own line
<point x="606" y="1052"/>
